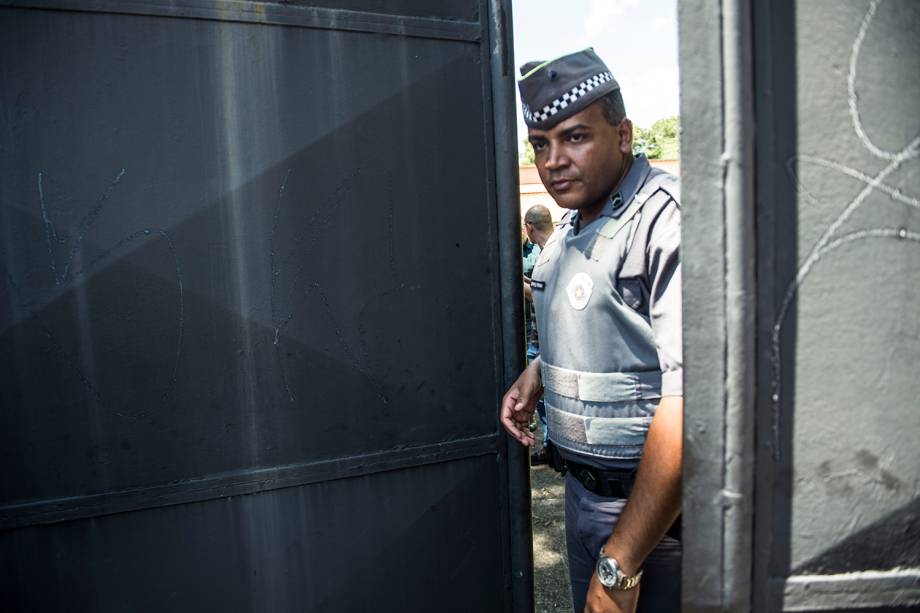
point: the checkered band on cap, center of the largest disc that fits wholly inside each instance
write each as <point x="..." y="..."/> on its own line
<point x="566" y="99"/>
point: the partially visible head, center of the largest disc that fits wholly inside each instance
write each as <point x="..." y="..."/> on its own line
<point x="538" y="221"/>
<point x="578" y="127"/>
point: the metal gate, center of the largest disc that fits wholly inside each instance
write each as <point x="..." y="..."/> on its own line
<point x="259" y="302"/>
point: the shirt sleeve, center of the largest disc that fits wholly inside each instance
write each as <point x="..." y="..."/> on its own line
<point x="665" y="298"/>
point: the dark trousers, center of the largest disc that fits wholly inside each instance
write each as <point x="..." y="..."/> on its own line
<point x="589" y="520"/>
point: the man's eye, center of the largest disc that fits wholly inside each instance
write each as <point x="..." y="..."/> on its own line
<point x="538" y="146"/>
<point x="576" y="138"/>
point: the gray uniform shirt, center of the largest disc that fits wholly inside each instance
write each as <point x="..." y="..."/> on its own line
<point x="611" y="344"/>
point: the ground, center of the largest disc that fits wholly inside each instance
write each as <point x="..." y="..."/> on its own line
<point x="551" y="571"/>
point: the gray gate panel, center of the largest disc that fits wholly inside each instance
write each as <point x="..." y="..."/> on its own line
<point x="260" y="262"/>
<point x="278" y="264"/>
<point x="401" y="541"/>
<point x="441" y="20"/>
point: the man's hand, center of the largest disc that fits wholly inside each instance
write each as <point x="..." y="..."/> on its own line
<point x="519" y="402"/>
<point x="601" y="600"/>
<point x="653" y="506"/>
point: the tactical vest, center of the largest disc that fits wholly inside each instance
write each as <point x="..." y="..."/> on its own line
<point x="600" y="366"/>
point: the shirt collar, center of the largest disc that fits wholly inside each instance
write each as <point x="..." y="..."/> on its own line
<point x="628" y="187"/>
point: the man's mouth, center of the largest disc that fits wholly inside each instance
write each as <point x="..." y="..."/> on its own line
<point x="561" y="185"/>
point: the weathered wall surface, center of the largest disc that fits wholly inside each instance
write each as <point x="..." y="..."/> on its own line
<point x="857" y="291"/>
<point x="842" y="314"/>
<point x="835" y="185"/>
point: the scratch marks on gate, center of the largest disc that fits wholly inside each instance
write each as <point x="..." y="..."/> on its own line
<point x="50" y="235"/>
<point x="55" y="343"/>
<point x="66" y="274"/>
<point x="300" y="248"/>
<point x="163" y="234"/>
<point x="273" y="254"/>
<point x="86" y="224"/>
<point x="301" y="264"/>
<point x="830" y="240"/>
<point x="274" y="288"/>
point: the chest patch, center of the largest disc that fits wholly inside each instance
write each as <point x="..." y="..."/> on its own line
<point x="579" y="291"/>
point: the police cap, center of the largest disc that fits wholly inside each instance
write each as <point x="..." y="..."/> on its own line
<point x="555" y="90"/>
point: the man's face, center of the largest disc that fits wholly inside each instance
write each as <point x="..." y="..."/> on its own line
<point x="581" y="159"/>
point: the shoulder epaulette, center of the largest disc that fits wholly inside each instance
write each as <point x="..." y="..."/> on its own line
<point x="670" y="184"/>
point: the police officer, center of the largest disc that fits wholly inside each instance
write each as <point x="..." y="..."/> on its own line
<point x="607" y="294"/>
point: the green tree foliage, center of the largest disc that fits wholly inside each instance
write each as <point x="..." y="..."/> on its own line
<point x="645" y="141"/>
<point x="661" y="141"/>
<point x="525" y="153"/>
<point x="669" y="127"/>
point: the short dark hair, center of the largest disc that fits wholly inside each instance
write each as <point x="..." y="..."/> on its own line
<point x="613" y="107"/>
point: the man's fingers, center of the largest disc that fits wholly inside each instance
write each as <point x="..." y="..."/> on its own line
<point x="524" y="437"/>
<point x="516" y="411"/>
<point x="520" y="431"/>
<point x="509" y="417"/>
<point x="516" y="422"/>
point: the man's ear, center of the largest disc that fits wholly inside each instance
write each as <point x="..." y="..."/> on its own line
<point x="625" y="133"/>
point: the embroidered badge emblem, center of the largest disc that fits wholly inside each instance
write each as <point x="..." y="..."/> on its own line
<point x="579" y="290"/>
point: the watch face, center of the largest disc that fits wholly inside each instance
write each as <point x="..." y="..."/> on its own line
<point x="607" y="572"/>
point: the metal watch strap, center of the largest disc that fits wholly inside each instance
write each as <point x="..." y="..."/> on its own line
<point x="626" y="583"/>
<point x="630" y="582"/>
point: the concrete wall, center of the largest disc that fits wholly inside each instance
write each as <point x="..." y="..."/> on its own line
<point x="845" y="329"/>
<point x="801" y="191"/>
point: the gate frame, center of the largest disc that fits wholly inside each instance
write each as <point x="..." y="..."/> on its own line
<point x="719" y="299"/>
<point x="493" y="35"/>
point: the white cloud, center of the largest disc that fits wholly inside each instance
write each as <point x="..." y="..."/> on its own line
<point x="666" y="23"/>
<point x="651" y="95"/>
<point x="602" y="14"/>
<point x="637" y="40"/>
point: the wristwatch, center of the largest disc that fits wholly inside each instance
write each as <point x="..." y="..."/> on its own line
<point x="610" y="575"/>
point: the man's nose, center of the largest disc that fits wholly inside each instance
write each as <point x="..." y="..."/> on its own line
<point x="556" y="158"/>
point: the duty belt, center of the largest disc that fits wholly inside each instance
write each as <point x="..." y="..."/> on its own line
<point x="607" y="483"/>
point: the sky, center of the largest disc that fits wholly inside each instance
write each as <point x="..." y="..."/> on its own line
<point x="637" y="39"/>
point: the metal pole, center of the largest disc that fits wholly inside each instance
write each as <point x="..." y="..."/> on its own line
<point x="738" y="166"/>
<point x="506" y="173"/>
